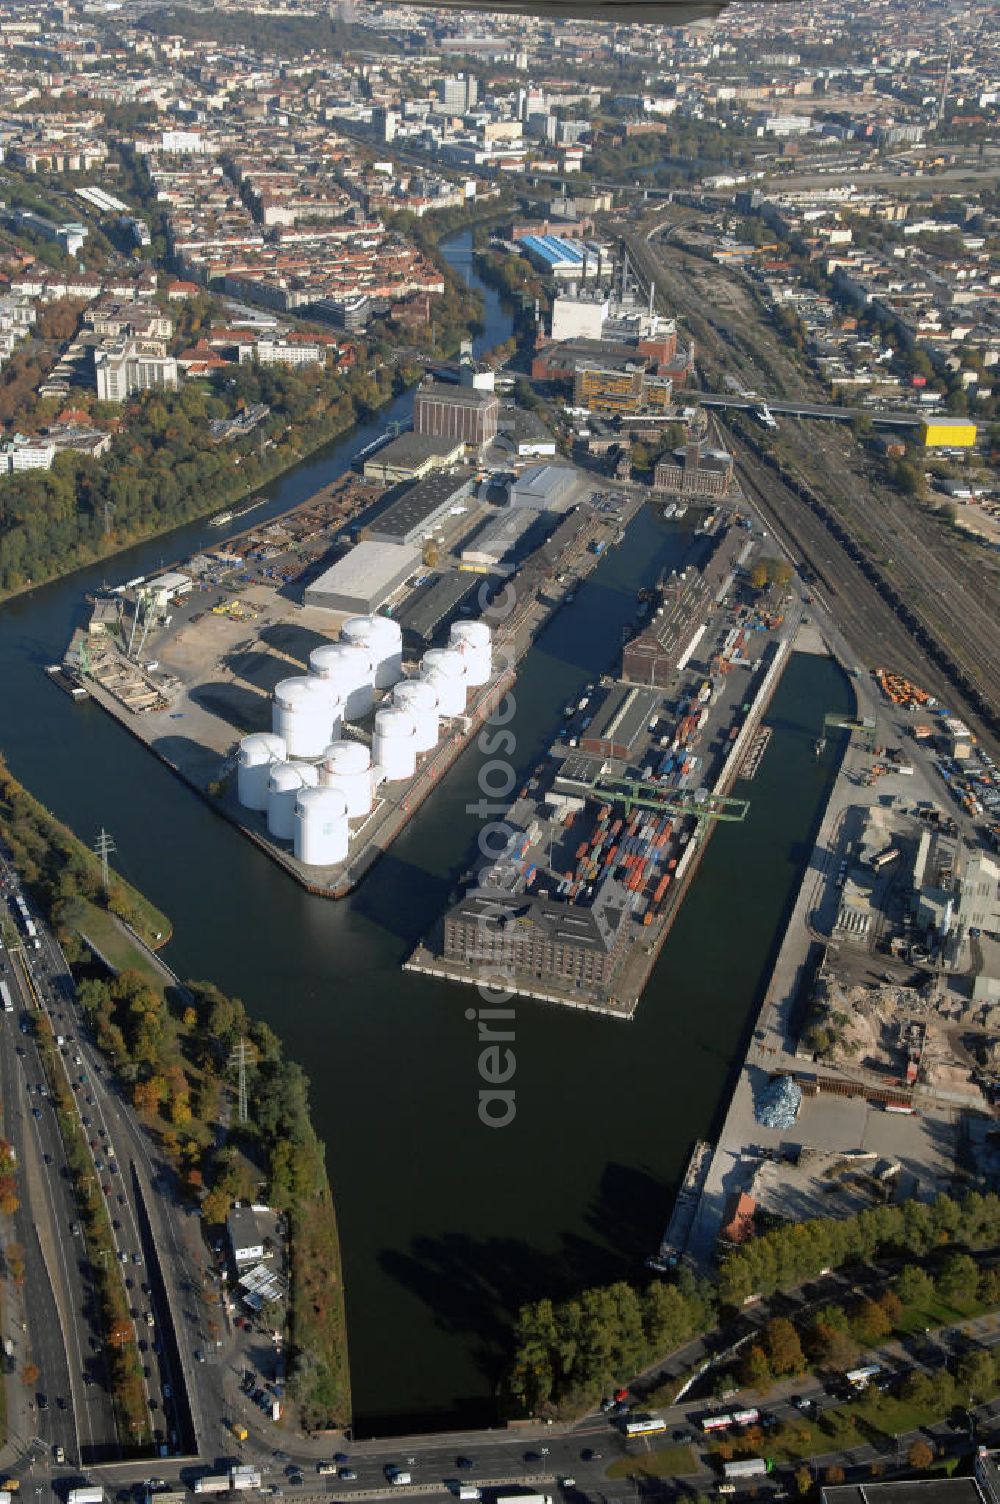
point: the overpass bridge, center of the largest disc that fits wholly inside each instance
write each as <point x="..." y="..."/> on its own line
<point x="789" y="408"/>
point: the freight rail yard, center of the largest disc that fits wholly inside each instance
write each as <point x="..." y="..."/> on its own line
<point x="907" y="588"/>
<point x="369" y="662"/>
<point x="605" y="837"/>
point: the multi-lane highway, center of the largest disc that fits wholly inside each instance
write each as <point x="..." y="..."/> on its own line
<point x="77" y="1413"/>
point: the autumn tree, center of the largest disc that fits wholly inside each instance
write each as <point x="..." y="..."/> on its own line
<point x="755" y="1370"/>
<point x="782" y="1346"/>
<point x="920" y="1456"/>
<point x="869" y="1322"/>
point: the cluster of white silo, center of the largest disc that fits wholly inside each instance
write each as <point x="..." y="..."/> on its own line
<point x="309" y="781"/>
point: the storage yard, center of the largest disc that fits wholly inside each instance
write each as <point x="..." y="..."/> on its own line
<point x="605" y="837"/>
<point x="873" y="1071"/>
<point x="260" y="672"/>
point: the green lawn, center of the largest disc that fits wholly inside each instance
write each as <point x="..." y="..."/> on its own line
<point x="97" y="925"/>
<point x="937" y="1312"/>
<point x="665" y="1462"/>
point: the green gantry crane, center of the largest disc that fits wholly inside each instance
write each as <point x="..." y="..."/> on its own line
<point x="635" y="793"/>
<point x="865" y="727"/>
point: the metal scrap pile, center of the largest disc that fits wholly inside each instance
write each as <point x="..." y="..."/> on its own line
<point x="779" y="1103"/>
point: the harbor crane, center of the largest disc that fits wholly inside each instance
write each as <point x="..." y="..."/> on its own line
<point x="640" y="794"/>
<point x="865" y="727"/>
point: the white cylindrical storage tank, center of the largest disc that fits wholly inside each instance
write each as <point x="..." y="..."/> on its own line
<point x="450" y="692"/>
<point x="447" y="671"/>
<point x="257" y="754"/>
<point x="303" y="713"/>
<point x="349" y="670"/>
<point x="420" y="701"/>
<point x="321" y="831"/>
<point x="383" y="639"/>
<point x="286" y="782"/>
<point x="472" y="639"/>
<point x="347" y="766"/>
<point x="394" y="744"/>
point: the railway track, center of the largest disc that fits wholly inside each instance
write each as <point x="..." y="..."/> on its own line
<point x="933" y="589"/>
<point x="876" y="623"/>
<point x="902" y="590"/>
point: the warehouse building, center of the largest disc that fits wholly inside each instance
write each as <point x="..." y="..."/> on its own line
<point x="531" y="935"/>
<point x="413" y="517"/>
<point x="456" y="412"/>
<point x="432" y="606"/>
<point x="545" y="488"/>
<point x="693" y="471"/>
<point x="364" y="578"/>
<point x="526" y="433"/>
<point x="652" y="657"/>
<point x="498" y="546"/>
<point x="618" y="727"/>
<point x="411" y="456"/>
<point x="564" y="259"/>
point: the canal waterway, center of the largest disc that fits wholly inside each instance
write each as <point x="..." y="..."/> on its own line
<point x="447" y="1225"/>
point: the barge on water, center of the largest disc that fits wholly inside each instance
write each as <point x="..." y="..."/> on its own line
<point x="68" y="681"/>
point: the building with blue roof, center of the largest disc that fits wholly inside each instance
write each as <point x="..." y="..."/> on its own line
<point x="566" y="258"/>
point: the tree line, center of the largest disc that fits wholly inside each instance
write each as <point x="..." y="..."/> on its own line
<point x="172" y="1051"/>
<point x="566" y="1355"/>
<point x="164" y="468"/>
<point x="833" y="1338"/>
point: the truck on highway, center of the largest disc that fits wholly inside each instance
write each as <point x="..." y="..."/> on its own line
<point x="211" y="1483"/>
<point x="91" y="1493"/>
<point x="752" y="1467"/>
<point x="524" y="1499"/>
<point x="244" y="1477"/>
<point x="5" y="998"/>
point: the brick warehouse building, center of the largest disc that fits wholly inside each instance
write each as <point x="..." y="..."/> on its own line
<point x="456" y="412"/>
